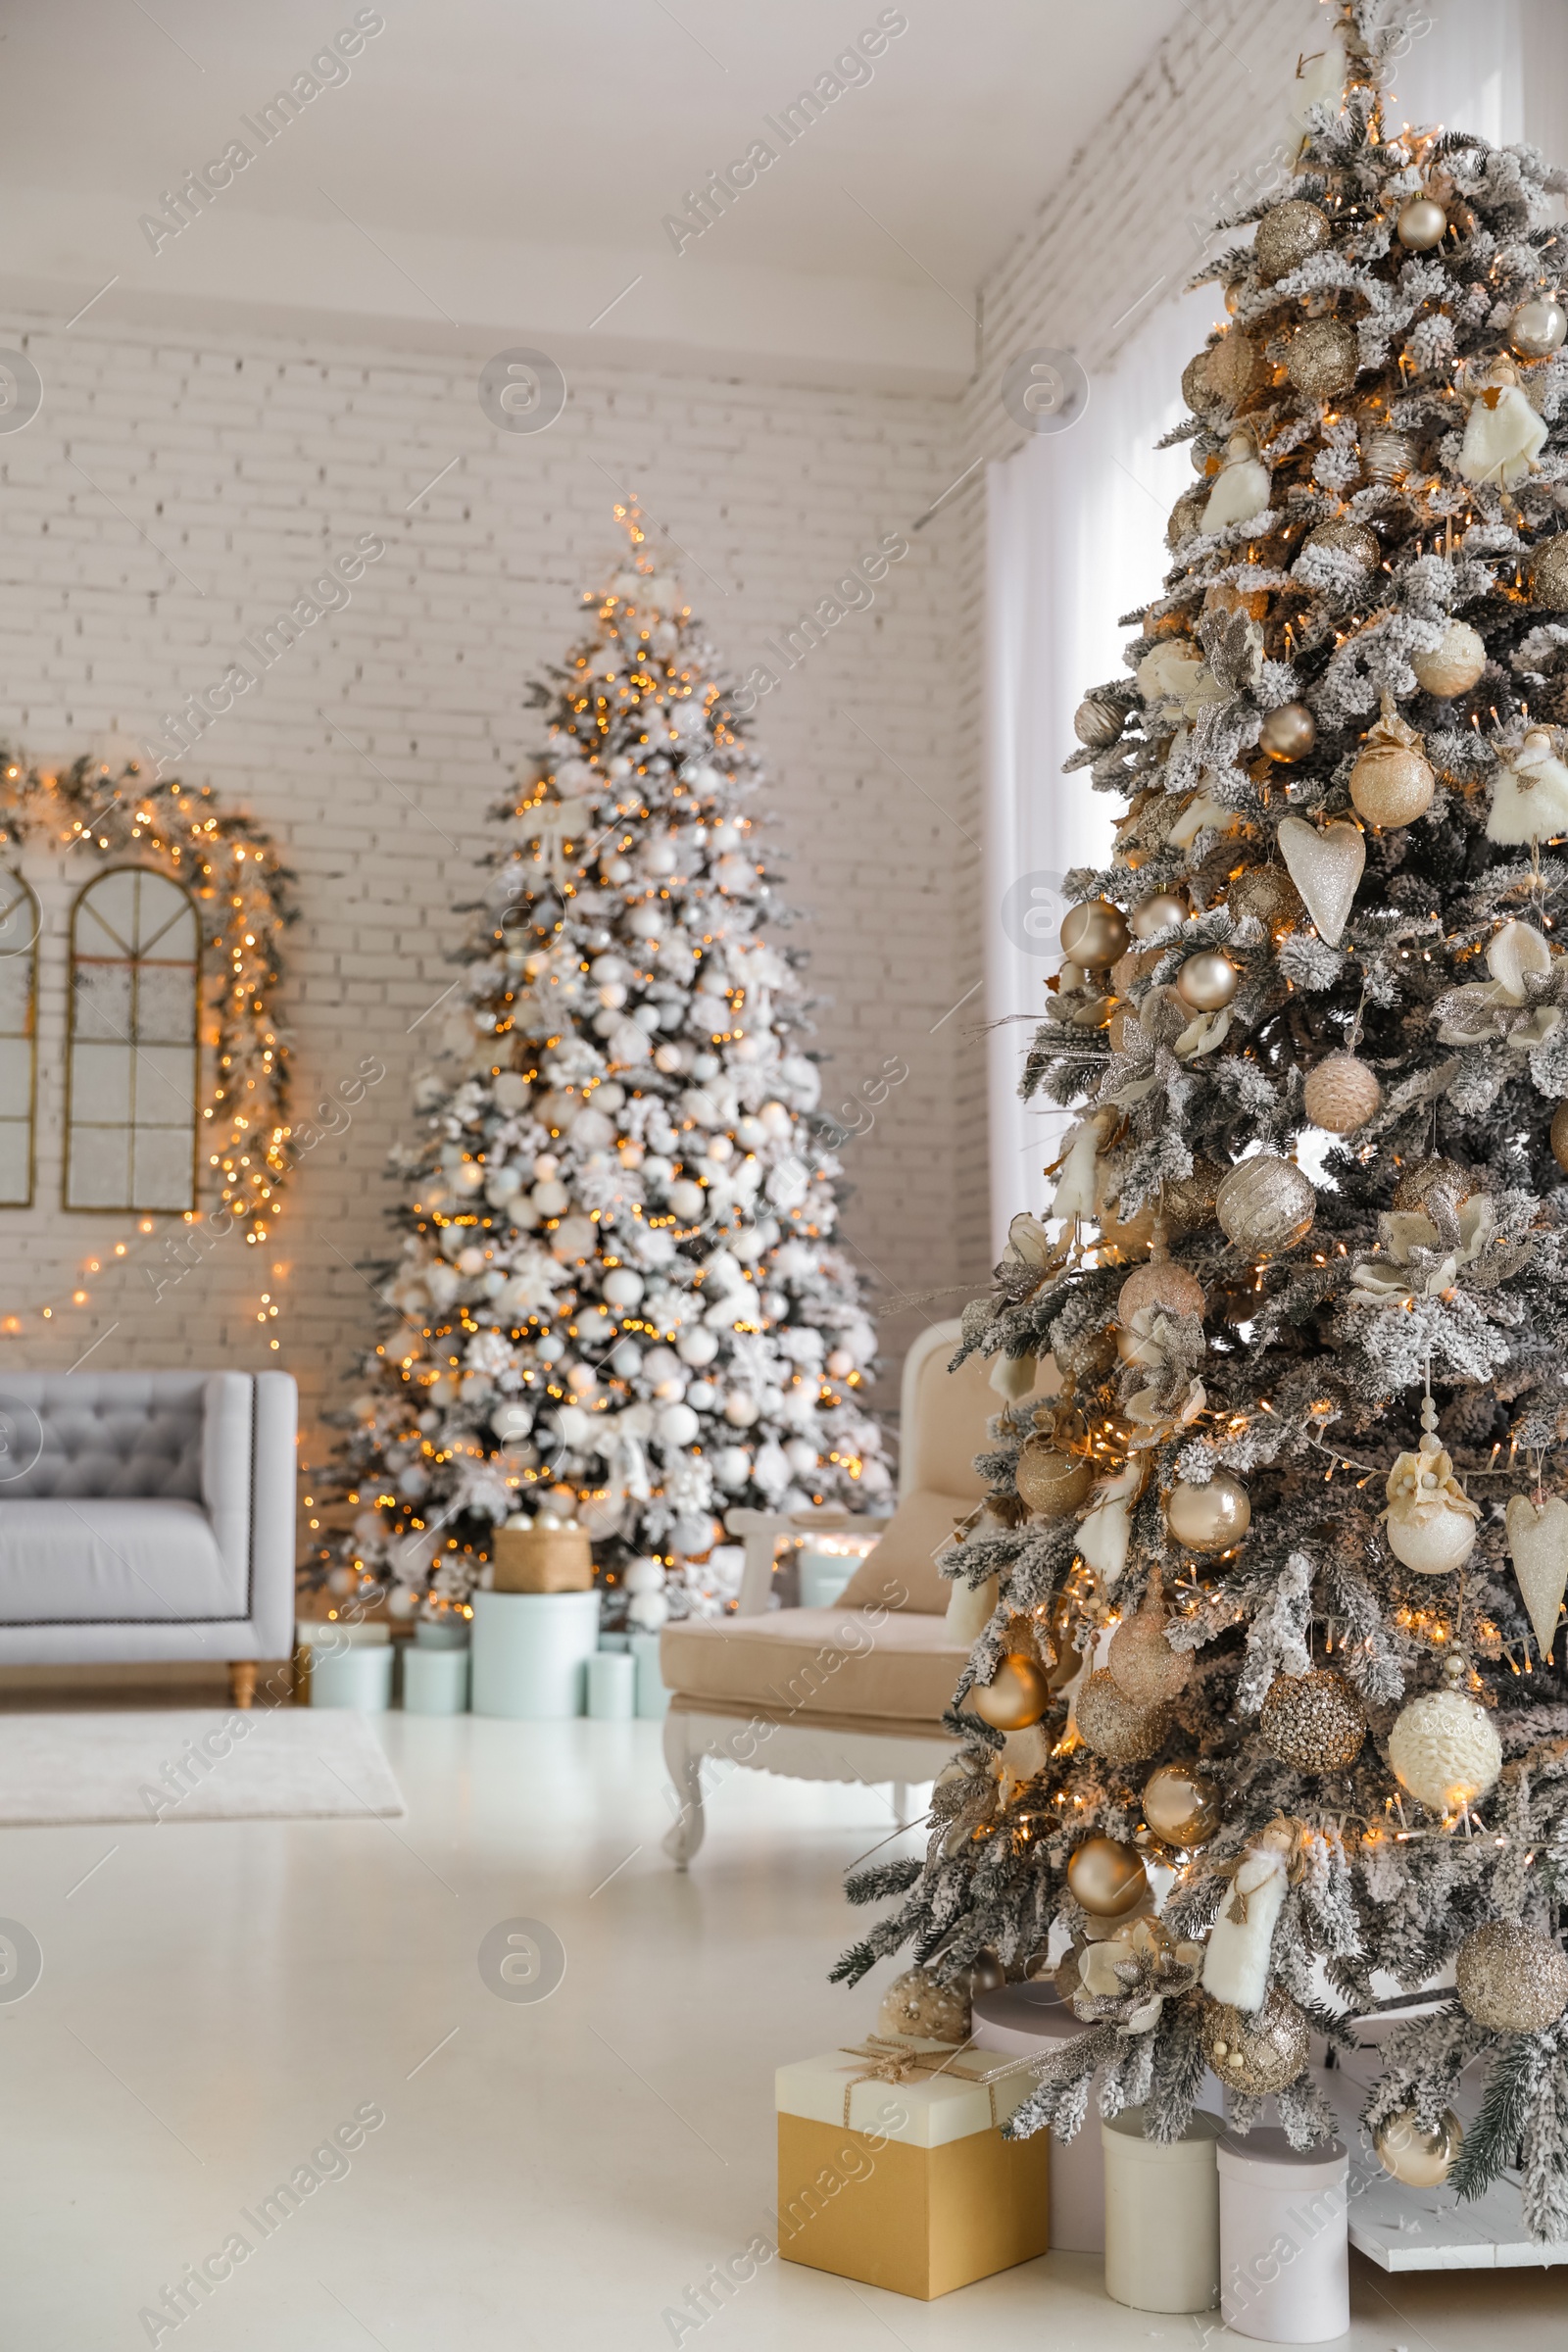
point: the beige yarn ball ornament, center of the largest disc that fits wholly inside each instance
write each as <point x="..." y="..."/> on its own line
<point x="1049" y="1482"/>
<point x="1112" y="1726"/>
<point x="1141" y="1661"/>
<point x="1454" y="665"/>
<point x="1392" y="782"/>
<point x="1288" y="235"/>
<point x="1512" y="1979"/>
<point x="1340" y="1094"/>
<point x="1322" y="358"/>
<point x="1313" y="1722"/>
<point x="1445" y="1751"/>
<point x="1548" y="575"/>
<point x="1265" y="1204"/>
<point x="915" y="2004"/>
<point x="1256" y="2054"/>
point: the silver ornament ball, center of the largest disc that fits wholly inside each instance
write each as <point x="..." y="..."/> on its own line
<point x="1288" y="732"/>
<point x="1538" y="327"/>
<point x="1211" y="1517"/>
<point x="1156" y="914"/>
<point x="1265" y="1204"/>
<point x="1421" y="225"/>
<point x="1512" y="1979"/>
<point x="1208" y="981"/>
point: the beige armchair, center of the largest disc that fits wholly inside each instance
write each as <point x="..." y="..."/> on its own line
<point x="853" y="1693"/>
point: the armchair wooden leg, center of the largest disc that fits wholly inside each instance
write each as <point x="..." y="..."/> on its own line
<point x="241" y="1680"/>
<point x="686" y="1771"/>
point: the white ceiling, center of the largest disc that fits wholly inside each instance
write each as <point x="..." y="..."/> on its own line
<point x="500" y="168"/>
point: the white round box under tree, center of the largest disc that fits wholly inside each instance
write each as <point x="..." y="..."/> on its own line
<point x="1018" y="2020"/>
<point x="435" y="1679"/>
<point x="1285" y="2258"/>
<point x="359" y="1675"/>
<point x="531" y="1652"/>
<point x="612" y="1685"/>
<point x="1161" y="2214"/>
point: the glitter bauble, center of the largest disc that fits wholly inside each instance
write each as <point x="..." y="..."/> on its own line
<point x="1162" y="1284"/>
<point x="1322" y="358"/>
<point x="917" y="2005"/>
<point x="1050" y="1481"/>
<point x="1265" y="1204"/>
<point x="1313" y="1722"/>
<point x="1422" y="223"/>
<point x="1386" y="456"/>
<point x="1016" y="1696"/>
<point x="1233" y="368"/>
<point x="1106" y="1878"/>
<point x="1538" y="327"/>
<point x="1256" y="2054"/>
<point x="1181" y="1805"/>
<point x="1288" y="733"/>
<point x="1112" y="1726"/>
<point x="1444" y="1750"/>
<point x="1208" y="981"/>
<point x="1211" y="1517"/>
<point x="1288" y="235"/>
<point x="1097" y="722"/>
<point x="1326" y="867"/>
<point x="1512" y="1979"/>
<point x="1392" y="781"/>
<point x="1187" y="1202"/>
<point x="1156" y="914"/>
<point x="1198" y="389"/>
<point x="1094" y="934"/>
<point x="1420" y="2159"/>
<point x="1267" y="892"/>
<point x="1186" y="515"/>
<point x="1559" y="1135"/>
<point x="1345" y="538"/>
<point x="1145" y="1667"/>
<point x="1340" y="1094"/>
<point x="1445" y="1176"/>
<point x="1454" y="665"/>
<point x="1548" y="575"/>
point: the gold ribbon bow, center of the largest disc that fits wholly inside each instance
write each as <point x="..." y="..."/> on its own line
<point x="887" y="2061"/>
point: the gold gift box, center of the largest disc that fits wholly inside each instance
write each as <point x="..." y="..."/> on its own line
<point x="920" y="2194"/>
<point x="542" y="1559"/>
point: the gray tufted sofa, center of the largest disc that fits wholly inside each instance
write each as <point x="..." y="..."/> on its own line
<point x="147" y="1515"/>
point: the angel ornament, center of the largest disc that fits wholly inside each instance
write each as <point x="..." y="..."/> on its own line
<point x="1504" y="435"/>
<point x="1431" y="1521"/>
<point x="1236" y="1959"/>
<point x="1530" y="798"/>
<point x="1242" y="487"/>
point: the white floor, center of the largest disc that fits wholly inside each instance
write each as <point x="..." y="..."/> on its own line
<point x="216" y="1999"/>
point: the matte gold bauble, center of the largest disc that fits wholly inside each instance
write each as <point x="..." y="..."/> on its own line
<point x="1346" y="538"/>
<point x="1181" y="1805"/>
<point x="1187" y="1202"/>
<point x="1049" y="1480"/>
<point x="1420" y="2159"/>
<point x="1162" y="1284"/>
<point x="1097" y="723"/>
<point x="1313" y="1722"/>
<point x="1233" y="368"/>
<point x="1156" y="914"/>
<point x="1454" y="665"/>
<point x="1322" y="358"/>
<point x="1340" y="1094"/>
<point x="1444" y="1750"/>
<point x="1548" y="575"/>
<point x="1559" y="1135"/>
<point x="1208" y="981"/>
<point x="1392" y="781"/>
<point x="1538" y="327"/>
<point x="1288" y="235"/>
<point x="1436" y="1175"/>
<point x="915" y="2004"/>
<point x="1257" y="2054"/>
<point x="1512" y="1979"/>
<point x="1267" y="892"/>
<point x="1106" y="1878"/>
<point x="1386" y="456"/>
<point x="1265" y="1204"/>
<point x="1094" y="934"/>
<point x="1421" y="225"/>
<point x="1016" y="1696"/>
<point x="1145" y="1667"/>
<point x="1197" y="387"/>
<point x="1112" y="1726"/>
<point x="1209" y="1518"/>
<point x="1289" y="733"/>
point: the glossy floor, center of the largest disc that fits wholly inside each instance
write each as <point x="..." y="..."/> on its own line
<point x="218" y="2000"/>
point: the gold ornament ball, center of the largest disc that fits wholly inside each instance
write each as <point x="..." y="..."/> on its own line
<point x="1420" y="2159"/>
<point x="1289" y="733"/>
<point x="1445" y="1176"/>
<point x="1106" y="1878"/>
<point x="1049" y="1481"/>
<point x="1110" y="1724"/>
<point x="1267" y="892"/>
<point x="1313" y="1722"/>
<point x="1512" y="1979"/>
<point x="1156" y="914"/>
<point x="1233" y="368"/>
<point x="1208" y="981"/>
<point x="1322" y="358"/>
<point x="1016" y="1696"/>
<point x="1145" y="1667"/>
<point x="1387" y="455"/>
<point x="1454" y="665"/>
<point x="1188" y="1201"/>
<point x="1421" y="225"/>
<point x="1161" y="1284"/>
<point x="1097" y="723"/>
<point x="1444" y="1750"/>
<point x="1559" y="1135"/>
<point x="1391" y="784"/>
<point x="1186" y="515"/>
<point x="1340" y="1094"/>
<point x="1257" y="2054"/>
<point x="1181" y="1805"/>
<point x="1208" y="1518"/>
<point x="1288" y="235"/>
<point x="1198" y="389"/>
<point x="1345" y="538"/>
<point x="917" y="2004"/>
<point x="1265" y="1204"/>
<point x="1548" y="575"/>
<point x="1538" y="327"/>
<point x="1095" y="934"/>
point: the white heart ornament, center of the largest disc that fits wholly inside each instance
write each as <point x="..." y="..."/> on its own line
<point x="1537" y="1541"/>
<point x="1326" y="868"/>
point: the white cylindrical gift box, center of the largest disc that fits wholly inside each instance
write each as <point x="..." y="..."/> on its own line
<point x="531" y="1652"/>
<point x="653" y="1700"/>
<point x="1161" y="2214"/>
<point x="1018" y="2020"/>
<point x="612" y="1685"/>
<point x="435" y="1679"/>
<point x="824" y="1575"/>
<point x="1283" y="2230"/>
<point x="358" y="1675"/>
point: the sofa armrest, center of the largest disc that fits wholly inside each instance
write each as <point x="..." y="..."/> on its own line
<point x="760" y="1532"/>
<point x="273" y="1514"/>
<point x="227" y="1404"/>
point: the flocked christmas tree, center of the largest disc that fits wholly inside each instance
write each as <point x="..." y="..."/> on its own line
<point x="1277" y="1566"/>
<point x="620" y="1298"/>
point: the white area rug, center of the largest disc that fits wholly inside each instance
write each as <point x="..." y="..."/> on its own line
<point x="186" y="1764"/>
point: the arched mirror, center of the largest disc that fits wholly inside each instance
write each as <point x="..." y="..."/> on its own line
<point x="19" y="1053"/>
<point x="130" y="1122"/>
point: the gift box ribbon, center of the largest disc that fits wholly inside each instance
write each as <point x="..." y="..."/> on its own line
<point x="885" y="2061"/>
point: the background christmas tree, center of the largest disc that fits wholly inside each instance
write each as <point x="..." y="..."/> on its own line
<point x="619" y="1297"/>
<point x="1279" y="1565"/>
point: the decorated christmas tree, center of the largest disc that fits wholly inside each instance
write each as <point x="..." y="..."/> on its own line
<point x="620" y="1300"/>
<point x="1267" y="1725"/>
